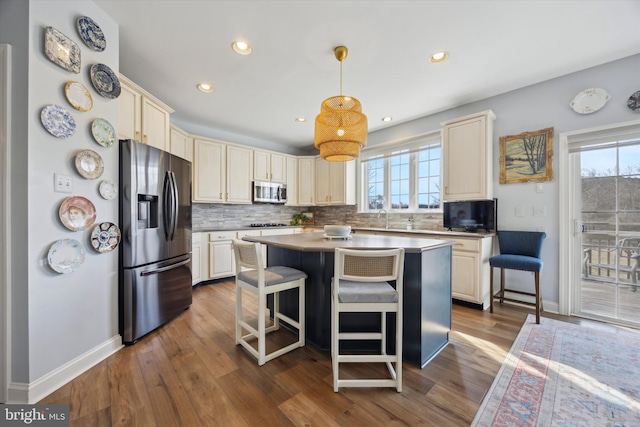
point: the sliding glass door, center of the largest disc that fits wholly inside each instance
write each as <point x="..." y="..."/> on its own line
<point x="606" y="179"/>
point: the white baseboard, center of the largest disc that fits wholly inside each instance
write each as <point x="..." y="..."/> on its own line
<point x="44" y="386"/>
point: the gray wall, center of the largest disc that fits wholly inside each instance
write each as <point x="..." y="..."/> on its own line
<point x="55" y="318"/>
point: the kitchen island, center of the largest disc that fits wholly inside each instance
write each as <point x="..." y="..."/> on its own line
<point x="426" y="295"/>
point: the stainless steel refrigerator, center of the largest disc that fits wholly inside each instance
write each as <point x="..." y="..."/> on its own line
<point x="155" y="250"/>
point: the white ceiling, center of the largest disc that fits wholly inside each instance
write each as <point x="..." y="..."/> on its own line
<point x="167" y="47"/>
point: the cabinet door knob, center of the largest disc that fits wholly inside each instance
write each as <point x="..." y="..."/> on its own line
<point x="137" y="135"/>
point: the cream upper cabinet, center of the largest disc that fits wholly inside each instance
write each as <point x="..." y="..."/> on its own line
<point x="269" y="166"/>
<point x="181" y="143"/>
<point x="292" y="180"/>
<point x="467" y="152"/>
<point x="239" y="167"/>
<point x="335" y="182"/>
<point x="306" y="181"/>
<point x="209" y="166"/>
<point x="142" y="117"/>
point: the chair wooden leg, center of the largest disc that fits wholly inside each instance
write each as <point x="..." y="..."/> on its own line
<point x="502" y="286"/>
<point x="538" y="298"/>
<point x="491" y="289"/>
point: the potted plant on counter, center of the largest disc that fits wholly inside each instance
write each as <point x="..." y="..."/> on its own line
<point x="299" y="219"/>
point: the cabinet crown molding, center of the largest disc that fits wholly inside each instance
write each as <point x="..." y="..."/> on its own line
<point x="488" y="113"/>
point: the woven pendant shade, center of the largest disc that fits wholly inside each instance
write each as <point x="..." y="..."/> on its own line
<point x="341" y="129"/>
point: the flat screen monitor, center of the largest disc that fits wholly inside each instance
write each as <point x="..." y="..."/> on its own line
<point x="470" y="215"/>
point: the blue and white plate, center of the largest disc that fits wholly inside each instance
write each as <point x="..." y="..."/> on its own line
<point x="105" y="81"/>
<point x="66" y="256"/>
<point x="103" y="132"/>
<point x="58" y="121"/>
<point x="61" y="50"/>
<point x="91" y="33"/>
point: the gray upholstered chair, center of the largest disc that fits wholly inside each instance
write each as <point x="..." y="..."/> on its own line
<point x="361" y="284"/>
<point x="519" y="250"/>
<point x="252" y="276"/>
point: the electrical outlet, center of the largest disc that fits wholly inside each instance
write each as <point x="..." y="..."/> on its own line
<point x="62" y="183"/>
<point x="540" y="211"/>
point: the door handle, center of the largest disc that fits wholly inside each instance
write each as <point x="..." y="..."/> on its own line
<point x="163" y="269"/>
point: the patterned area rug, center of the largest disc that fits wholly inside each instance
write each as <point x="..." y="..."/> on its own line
<point x="560" y="374"/>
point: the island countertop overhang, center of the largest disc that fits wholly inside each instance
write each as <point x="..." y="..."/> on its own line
<point x="316" y="242"/>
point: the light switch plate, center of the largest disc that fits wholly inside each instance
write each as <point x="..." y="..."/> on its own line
<point x="519" y="210"/>
<point x="62" y="183"/>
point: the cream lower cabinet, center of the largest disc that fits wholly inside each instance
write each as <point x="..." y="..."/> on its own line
<point x="470" y="269"/>
<point x="220" y="254"/>
<point x="196" y="258"/>
<point x="142" y="117"/>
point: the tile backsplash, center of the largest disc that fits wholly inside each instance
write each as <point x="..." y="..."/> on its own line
<point x="215" y="216"/>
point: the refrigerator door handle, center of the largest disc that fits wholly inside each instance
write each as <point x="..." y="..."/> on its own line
<point x="167" y="211"/>
<point x="174" y="205"/>
<point x="168" y="267"/>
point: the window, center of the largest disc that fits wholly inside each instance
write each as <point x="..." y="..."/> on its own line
<point x="402" y="177"/>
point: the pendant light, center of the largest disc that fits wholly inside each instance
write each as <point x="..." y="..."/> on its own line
<point x="341" y="128"/>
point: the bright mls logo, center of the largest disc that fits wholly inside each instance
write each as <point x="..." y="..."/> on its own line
<point x="37" y="415"/>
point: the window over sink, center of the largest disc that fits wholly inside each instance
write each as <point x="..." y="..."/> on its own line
<point x="402" y="176"/>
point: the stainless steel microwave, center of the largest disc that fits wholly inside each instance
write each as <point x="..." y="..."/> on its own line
<point x="269" y="192"/>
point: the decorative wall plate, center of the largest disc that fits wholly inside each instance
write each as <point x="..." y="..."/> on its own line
<point x="105" y="237"/>
<point x="105" y="81"/>
<point x="91" y="34"/>
<point x="589" y="100"/>
<point x="58" y="121"/>
<point x="103" y="132"/>
<point x="108" y="189"/>
<point x="66" y="256"/>
<point x="61" y="50"/>
<point x="634" y="102"/>
<point x="89" y="164"/>
<point x="77" y="213"/>
<point x="78" y="96"/>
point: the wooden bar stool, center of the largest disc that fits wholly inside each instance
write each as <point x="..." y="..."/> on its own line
<point x="361" y="284"/>
<point x="263" y="281"/>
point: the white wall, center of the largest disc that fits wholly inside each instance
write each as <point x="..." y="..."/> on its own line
<point x="536" y="107"/>
<point x="61" y="322"/>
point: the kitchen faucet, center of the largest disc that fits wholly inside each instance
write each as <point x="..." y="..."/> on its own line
<point x="386" y="218"/>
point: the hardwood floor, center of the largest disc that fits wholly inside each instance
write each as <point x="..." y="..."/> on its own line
<point x="190" y="373"/>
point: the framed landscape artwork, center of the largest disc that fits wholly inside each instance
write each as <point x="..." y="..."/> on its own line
<point x="526" y="157"/>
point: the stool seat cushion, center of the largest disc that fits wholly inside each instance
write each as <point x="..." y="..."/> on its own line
<point x="516" y="262"/>
<point x="272" y="275"/>
<point x="369" y="292"/>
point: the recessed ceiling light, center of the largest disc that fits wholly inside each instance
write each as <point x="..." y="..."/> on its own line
<point x="300" y="119"/>
<point x="439" y="57"/>
<point x="205" y="87"/>
<point x="387" y="119"/>
<point x="243" y="48"/>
